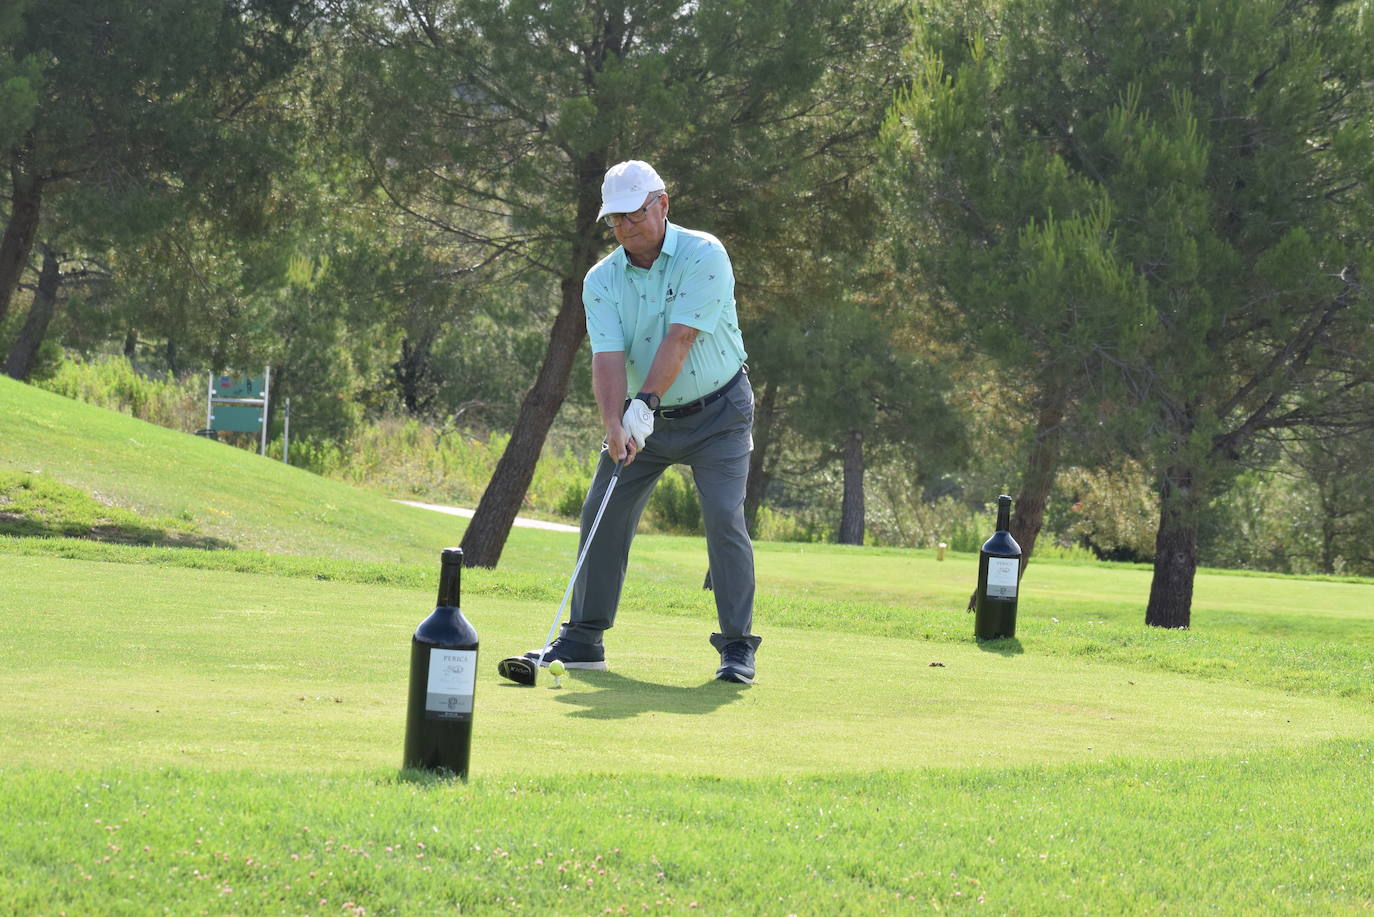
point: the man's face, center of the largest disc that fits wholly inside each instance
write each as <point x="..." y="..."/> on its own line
<point x="643" y="239"/>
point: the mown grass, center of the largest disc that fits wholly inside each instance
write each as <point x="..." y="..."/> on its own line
<point x="229" y="669"/>
<point x="37" y="506"/>
<point x="1309" y="637"/>
<point x="235" y="497"/>
<point x="1272" y="833"/>
<point x="245" y="727"/>
<point x="219" y="731"/>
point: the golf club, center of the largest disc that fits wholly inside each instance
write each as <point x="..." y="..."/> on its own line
<point x="523" y="670"/>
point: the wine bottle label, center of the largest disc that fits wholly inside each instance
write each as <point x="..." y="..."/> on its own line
<point x="1002" y="573"/>
<point x="452" y="677"/>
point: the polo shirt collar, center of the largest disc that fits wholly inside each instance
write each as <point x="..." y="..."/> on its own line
<point x="669" y="246"/>
<point x="670" y="240"/>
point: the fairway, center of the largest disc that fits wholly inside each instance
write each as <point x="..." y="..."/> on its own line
<point x="221" y="740"/>
<point x="226" y="670"/>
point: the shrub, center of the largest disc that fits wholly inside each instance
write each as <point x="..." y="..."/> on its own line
<point x="947" y="520"/>
<point x="114" y="383"/>
<point x="1113" y="511"/>
<point x="772" y="525"/>
<point x="574" y="495"/>
<point x="674" y="506"/>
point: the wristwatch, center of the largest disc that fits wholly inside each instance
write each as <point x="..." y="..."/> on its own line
<point x="650" y="399"/>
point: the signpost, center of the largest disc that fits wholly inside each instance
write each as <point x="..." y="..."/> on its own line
<point x="239" y="405"/>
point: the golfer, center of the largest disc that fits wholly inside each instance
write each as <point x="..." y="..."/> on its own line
<point x="669" y="378"/>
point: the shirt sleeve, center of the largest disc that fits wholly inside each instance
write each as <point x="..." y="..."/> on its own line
<point x="707" y="288"/>
<point x="604" y="328"/>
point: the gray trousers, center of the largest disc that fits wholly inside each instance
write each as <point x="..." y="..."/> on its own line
<point x="715" y="443"/>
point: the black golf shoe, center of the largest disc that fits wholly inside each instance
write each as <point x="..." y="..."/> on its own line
<point x="737" y="663"/>
<point x="574" y="653"/>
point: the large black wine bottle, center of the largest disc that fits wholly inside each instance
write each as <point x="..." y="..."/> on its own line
<point x="999" y="576"/>
<point x="443" y="679"/>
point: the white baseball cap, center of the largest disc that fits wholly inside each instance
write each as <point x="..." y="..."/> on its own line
<point x="626" y="185"/>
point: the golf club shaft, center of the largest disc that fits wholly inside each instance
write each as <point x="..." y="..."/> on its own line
<point x="582" y="555"/>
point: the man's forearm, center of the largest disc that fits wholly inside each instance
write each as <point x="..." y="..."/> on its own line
<point x="672" y="353"/>
<point x="608" y="385"/>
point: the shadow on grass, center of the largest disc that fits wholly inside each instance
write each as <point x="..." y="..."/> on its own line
<point x="1006" y="646"/>
<point x="617" y="697"/>
<point x="34" y="505"/>
<point x="133" y="534"/>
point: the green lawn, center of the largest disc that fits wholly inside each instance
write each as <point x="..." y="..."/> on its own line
<point x="228" y="670"/>
<point x="236" y="497"/>
<point x="219" y="731"/>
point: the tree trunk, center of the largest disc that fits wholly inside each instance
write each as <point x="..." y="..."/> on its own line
<point x="491" y="522"/>
<point x="1171" y="590"/>
<point x="24" y="352"/>
<point x="765" y="418"/>
<point x="852" y="509"/>
<point x="413" y="372"/>
<point x="26" y="196"/>
<point x="1037" y="483"/>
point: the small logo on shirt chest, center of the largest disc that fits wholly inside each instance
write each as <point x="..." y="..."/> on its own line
<point x="670" y="296"/>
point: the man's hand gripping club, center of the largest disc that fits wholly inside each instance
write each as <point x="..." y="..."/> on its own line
<point x="638" y="422"/>
<point x="627" y="430"/>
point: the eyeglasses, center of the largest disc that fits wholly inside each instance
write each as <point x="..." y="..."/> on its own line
<point x="614" y="219"/>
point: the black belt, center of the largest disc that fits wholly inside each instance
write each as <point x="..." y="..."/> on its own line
<point x="677" y="412"/>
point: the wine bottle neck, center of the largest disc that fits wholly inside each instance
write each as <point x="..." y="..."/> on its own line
<point x="1003" y="514"/>
<point x="450" y="584"/>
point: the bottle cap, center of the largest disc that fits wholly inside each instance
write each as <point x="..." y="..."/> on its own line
<point x="453" y="555"/>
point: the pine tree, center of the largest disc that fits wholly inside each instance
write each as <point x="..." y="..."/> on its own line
<point x="1216" y="157"/>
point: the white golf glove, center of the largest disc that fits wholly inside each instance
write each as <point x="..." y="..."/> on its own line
<point x="638" y="422"/>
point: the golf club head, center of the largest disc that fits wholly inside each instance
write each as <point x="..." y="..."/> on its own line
<point x="520" y="669"/>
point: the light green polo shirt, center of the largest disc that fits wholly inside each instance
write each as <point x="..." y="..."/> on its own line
<point x="691" y="283"/>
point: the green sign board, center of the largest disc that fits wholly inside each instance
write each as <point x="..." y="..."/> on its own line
<point x="239" y="418"/>
<point x="238" y="403"/>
